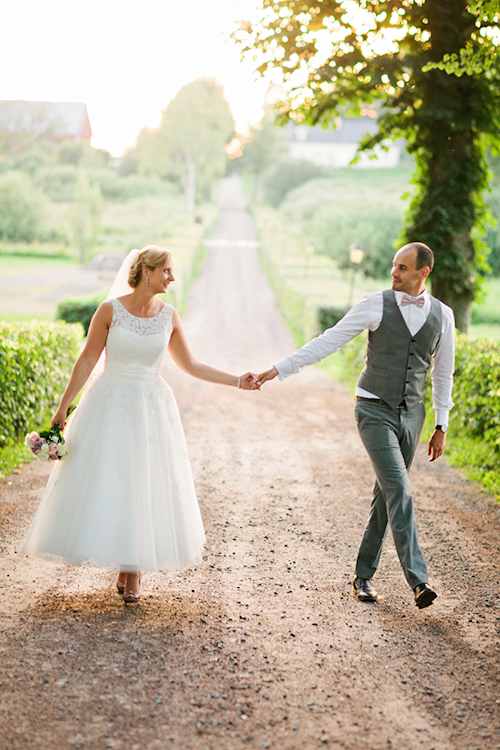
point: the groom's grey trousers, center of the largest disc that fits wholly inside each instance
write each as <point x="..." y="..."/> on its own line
<point x="390" y="436"/>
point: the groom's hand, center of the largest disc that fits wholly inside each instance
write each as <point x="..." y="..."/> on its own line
<point x="249" y="382"/>
<point x="267" y="375"/>
<point x="436" y="445"/>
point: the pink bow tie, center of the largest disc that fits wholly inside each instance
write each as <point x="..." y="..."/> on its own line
<point x="407" y="300"/>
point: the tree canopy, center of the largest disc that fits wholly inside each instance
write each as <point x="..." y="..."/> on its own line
<point x="189" y="144"/>
<point x="346" y="55"/>
<point x="481" y="49"/>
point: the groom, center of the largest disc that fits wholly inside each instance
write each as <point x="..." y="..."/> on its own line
<point x="407" y="329"/>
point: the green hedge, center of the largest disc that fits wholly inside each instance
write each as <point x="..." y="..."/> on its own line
<point x="36" y="359"/>
<point x="78" y="310"/>
<point x="329" y="316"/>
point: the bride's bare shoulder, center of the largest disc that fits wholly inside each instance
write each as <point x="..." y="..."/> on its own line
<point x="105" y="311"/>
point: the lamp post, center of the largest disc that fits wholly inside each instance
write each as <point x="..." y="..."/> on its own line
<point x="309" y="249"/>
<point x="356" y="256"/>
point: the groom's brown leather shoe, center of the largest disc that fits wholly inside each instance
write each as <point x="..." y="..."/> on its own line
<point x="424" y="595"/>
<point x="364" y="590"/>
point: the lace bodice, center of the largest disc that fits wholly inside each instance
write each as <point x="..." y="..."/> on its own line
<point x="135" y="346"/>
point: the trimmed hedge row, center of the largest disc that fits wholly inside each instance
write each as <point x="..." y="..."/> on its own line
<point x="35" y="362"/>
<point x="78" y="310"/>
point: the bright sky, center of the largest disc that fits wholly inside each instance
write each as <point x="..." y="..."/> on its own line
<point x="126" y="59"/>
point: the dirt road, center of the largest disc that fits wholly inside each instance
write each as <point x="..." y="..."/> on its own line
<point x="263" y="644"/>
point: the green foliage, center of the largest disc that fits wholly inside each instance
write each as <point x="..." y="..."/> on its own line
<point x="286" y="176"/>
<point x="21" y="208"/>
<point x="477" y="389"/>
<point x="34" y="250"/>
<point x="12" y="456"/>
<point x="85" y="216"/>
<point x="265" y="148"/>
<point x="81" y="153"/>
<point x="296" y="307"/>
<point x="58" y="182"/>
<point x="189" y="146"/>
<point x="353" y="206"/>
<point x="35" y="363"/>
<point x="445" y="119"/>
<point x="480" y="52"/>
<point x="79" y="310"/>
<point x="329" y="317"/>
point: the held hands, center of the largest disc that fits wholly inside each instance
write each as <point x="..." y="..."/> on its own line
<point x="267" y="375"/>
<point x="248" y="382"/>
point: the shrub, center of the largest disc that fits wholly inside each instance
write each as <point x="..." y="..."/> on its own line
<point x="329" y="316"/>
<point x="35" y="362"/>
<point x="58" y="182"/>
<point x="21" y="208"/>
<point x="287" y="175"/>
<point x="78" y="310"/>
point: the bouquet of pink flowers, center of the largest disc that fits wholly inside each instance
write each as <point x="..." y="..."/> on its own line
<point x="48" y="445"/>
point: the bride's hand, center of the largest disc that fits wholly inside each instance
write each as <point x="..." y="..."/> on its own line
<point x="248" y="382"/>
<point x="59" y="418"/>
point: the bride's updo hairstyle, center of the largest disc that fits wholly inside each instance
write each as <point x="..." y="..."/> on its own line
<point x="150" y="257"/>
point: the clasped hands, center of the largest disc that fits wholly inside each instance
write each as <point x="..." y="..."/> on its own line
<point x="252" y="382"/>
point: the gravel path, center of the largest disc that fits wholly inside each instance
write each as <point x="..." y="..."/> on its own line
<point x="263" y="644"/>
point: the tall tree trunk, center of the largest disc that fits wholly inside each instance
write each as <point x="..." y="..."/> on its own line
<point x="451" y="169"/>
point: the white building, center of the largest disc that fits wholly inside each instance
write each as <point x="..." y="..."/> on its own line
<point x="337" y="147"/>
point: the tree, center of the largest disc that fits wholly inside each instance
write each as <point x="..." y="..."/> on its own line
<point x="338" y="55"/>
<point x="265" y="148"/>
<point x="22" y="208"/>
<point x="481" y="49"/>
<point x="189" y="144"/>
<point x="85" y="216"/>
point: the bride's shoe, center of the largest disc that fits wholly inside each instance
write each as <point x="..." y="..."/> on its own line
<point x="132" y="597"/>
<point x="120" y="585"/>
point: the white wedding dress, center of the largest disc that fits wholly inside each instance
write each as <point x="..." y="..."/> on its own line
<point x="124" y="496"/>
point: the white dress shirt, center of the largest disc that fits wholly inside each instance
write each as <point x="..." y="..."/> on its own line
<point x="368" y="314"/>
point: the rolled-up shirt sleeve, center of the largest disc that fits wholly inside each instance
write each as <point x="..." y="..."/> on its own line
<point x="366" y="314"/>
<point x="443" y="367"/>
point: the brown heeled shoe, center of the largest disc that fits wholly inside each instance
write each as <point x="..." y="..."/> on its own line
<point x="132" y="597"/>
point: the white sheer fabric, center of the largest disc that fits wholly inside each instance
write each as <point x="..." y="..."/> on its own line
<point x="119" y="288"/>
<point x="124" y="496"/>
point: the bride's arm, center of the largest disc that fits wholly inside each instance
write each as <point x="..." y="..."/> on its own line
<point x="96" y="340"/>
<point x="183" y="357"/>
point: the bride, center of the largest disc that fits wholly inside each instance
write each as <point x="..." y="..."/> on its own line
<point x="124" y="495"/>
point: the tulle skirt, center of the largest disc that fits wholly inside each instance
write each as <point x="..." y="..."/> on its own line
<point x="124" y="495"/>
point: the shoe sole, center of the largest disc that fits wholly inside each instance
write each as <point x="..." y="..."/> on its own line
<point x="426" y="598"/>
<point x="365" y="597"/>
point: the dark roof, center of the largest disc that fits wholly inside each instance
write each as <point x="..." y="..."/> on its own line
<point x="348" y="130"/>
<point x="57" y="118"/>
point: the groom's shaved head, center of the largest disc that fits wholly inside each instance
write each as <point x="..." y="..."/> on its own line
<point x="425" y="256"/>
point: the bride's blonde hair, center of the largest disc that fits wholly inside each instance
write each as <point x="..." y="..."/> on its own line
<point x="150" y="257"/>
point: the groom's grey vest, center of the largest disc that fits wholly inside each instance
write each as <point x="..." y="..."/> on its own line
<point x="396" y="361"/>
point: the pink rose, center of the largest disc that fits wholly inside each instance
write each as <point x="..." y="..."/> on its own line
<point x="53" y="449"/>
<point x="54" y="456"/>
<point x="31" y="439"/>
<point x="38" y="444"/>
